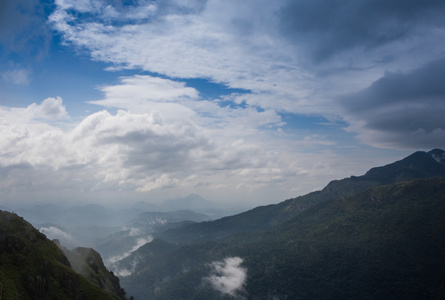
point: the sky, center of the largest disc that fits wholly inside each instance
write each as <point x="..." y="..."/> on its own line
<point x="242" y="102"/>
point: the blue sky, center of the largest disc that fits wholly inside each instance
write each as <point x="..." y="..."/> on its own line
<point x="243" y="102"/>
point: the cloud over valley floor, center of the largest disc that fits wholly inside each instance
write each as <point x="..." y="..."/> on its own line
<point x="228" y="276"/>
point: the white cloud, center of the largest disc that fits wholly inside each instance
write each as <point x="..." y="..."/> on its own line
<point x="113" y="262"/>
<point x="50" y="108"/>
<point x="145" y="89"/>
<point x="228" y="276"/>
<point x="56" y="233"/>
<point x="141" y="241"/>
<point x="130" y="151"/>
<point x="150" y="94"/>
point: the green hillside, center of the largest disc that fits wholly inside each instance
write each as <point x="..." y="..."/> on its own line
<point x="384" y="243"/>
<point x="33" y="267"/>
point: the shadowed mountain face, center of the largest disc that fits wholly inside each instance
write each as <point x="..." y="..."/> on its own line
<point x="88" y="263"/>
<point x="419" y="165"/>
<point x="33" y="267"/>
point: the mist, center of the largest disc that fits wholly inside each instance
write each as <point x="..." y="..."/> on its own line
<point x="116" y="231"/>
<point x="228" y="276"/>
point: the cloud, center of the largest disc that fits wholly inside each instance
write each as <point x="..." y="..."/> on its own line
<point x="17" y="76"/>
<point x="370" y="67"/>
<point x="148" y="93"/>
<point x="141" y="241"/>
<point x="141" y="151"/>
<point x="50" y="108"/>
<point x="330" y="28"/>
<point x="190" y="40"/>
<point x="56" y="233"/>
<point x="402" y="110"/>
<point x="145" y="89"/>
<point x="261" y="46"/>
<point x="228" y="276"/>
<point x="137" y="152"/>
<point x="289" y="56"/>
<point x="113" y="262"/>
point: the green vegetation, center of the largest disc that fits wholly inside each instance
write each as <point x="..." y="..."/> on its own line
<point x="376" y="236"/>
<point x="33" y="267"/>
<point x="384" y="243"/>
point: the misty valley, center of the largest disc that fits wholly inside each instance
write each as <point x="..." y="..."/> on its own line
<point x="374" y="236"/>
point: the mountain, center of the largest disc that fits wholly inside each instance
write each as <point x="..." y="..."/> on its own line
<point x="145" y="206"/>
<point x="151" y="218"/>
<point x="383" y="243"/>
<point x="191" y="202"/>
<point x="122" y="242"/>
<point x="88" y="263"/>
<point x="375" y="236"/>
<point x="33" y="267"/>
<point x="419" y="165"/>
<point x="146" y="255"/>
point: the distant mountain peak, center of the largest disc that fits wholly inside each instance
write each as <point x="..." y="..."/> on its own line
<point x="192" y="201"/>
<point x="418" y="165"/>
<point x="194" y="196"/>
<point x="438" y="155"/>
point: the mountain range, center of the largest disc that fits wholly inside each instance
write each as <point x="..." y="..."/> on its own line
<point x="419" y="165"/>
<point x="375" y="236"/>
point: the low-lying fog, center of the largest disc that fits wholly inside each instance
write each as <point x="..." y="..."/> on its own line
<point x="116" y="232"/>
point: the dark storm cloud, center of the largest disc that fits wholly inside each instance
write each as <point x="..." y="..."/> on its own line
<point x="409" y="107"/>
<point x="411" y="119"/>
<point x="424" y="86"/>
<point x="326" y="28"/>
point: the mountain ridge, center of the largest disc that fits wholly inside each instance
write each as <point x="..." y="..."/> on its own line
<point x="415" y="166"/>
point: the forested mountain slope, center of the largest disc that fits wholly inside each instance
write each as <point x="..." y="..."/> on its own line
<point x="383" y="243"/>
<point x="33" y="267"/>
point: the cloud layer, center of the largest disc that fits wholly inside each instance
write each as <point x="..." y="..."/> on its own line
<point x="401" y="108"/>
<point x="152" y="145"/>
<point x="293" y="56"/>
<point x="296" y="79"/>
